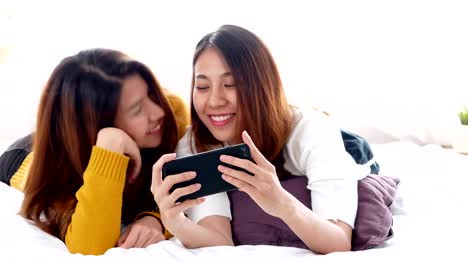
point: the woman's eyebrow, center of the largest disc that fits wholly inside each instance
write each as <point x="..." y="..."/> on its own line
<point x="201" y="76"/>
<point x="204" y="77"/>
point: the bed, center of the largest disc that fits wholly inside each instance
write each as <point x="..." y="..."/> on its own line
<point x="430" y="212"/>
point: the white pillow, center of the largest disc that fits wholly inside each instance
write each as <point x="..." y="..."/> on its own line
<point x="421" y="126"/>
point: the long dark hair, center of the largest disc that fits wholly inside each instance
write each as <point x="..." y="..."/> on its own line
<point x="265" y="111"/>
<point x="80" y="98"/>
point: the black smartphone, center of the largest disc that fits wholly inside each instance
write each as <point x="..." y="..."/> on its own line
<point x="205" y="164"/>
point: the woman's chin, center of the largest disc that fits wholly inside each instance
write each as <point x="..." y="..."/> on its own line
<point x="149" y="144"/>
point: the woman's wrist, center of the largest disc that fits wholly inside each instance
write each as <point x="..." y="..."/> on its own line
<point x="157" y="222"/>
<point x="289" y="206"/>
<point x="154" y="216"/>
<point x="109" y="139"/>
<point x="179" y="225"/>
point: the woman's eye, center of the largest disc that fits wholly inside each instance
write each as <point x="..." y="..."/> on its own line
<point x="201" y="87"/>
<point x="137" y="110"/>
<point x="229" y="85"/>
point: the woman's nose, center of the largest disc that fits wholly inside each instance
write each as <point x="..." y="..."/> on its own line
<point x="156" y="112"/>
<point x="217" y="97"/>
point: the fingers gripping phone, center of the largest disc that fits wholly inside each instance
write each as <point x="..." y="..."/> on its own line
<point x="206" y="166"/>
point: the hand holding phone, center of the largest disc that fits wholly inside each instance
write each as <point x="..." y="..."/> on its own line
<point x="172" y="213"/>
<point x="205" y="165"/>
<point x="264" y="188"/>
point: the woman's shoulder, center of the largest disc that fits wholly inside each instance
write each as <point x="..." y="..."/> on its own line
<point x="312" y="128"/>
<point x="184" y="146"/>
<point x="305" y="118"/>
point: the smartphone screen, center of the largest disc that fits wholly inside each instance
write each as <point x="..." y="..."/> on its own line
<point x="206" y="166"/>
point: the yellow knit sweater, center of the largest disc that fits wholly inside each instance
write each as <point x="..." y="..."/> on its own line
<point x="95" y="224"/>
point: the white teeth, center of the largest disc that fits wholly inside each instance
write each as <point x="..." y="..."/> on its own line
<point x="155" y="129"/>
<point x="221" y="118"/>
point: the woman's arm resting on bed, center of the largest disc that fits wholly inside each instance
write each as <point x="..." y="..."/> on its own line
<point x="320" y="235"/>
<point x="210" y="231"/>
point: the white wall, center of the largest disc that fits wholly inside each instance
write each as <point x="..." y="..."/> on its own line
<point x="345" y="56"/>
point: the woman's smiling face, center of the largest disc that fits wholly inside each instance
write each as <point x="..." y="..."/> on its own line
<point x="215" y="97"/>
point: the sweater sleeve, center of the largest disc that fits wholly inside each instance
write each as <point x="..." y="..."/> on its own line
<point x="15" y="161"/>
<point x="18" y="180"/>
<point x="95" y="224"/>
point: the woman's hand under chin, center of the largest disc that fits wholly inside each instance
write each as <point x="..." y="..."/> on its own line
<point x="264" y="186"/>
<point x="116" y="140"/>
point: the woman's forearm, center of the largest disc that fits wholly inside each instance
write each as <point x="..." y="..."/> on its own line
<point x="320" y="235"/>
<point x="196" y="235"/>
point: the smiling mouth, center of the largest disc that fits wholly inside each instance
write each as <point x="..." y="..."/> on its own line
<point x="220" y="118"/>
<point x="154" y="130"/>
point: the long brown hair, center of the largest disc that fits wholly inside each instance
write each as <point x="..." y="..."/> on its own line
<point x="80" y="98"/>
<point x="265" y="112"/>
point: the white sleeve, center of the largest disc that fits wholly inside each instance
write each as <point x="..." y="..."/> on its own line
<point x="316" y="149"/>
<point x="216" y="204"/>
<point x="183" y="146"/>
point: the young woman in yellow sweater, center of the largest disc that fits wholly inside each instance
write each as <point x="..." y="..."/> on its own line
<point x="102" y="122"/>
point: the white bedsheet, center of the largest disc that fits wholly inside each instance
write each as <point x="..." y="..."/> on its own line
<point x="429" y="222"/>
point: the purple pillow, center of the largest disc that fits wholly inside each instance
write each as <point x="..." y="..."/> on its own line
<point x="252" y="226"/>
<point x="374" y="219"/>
